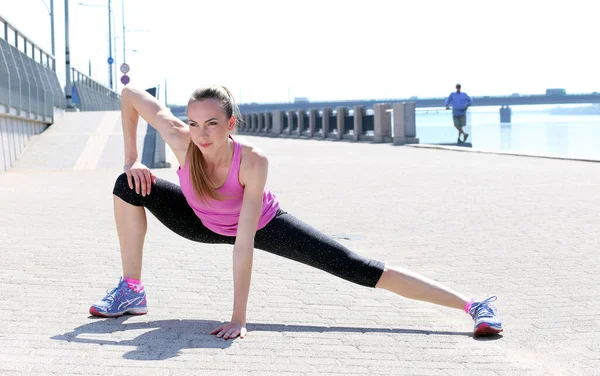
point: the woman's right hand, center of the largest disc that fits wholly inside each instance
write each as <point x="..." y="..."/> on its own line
<point x="139" y="177"/>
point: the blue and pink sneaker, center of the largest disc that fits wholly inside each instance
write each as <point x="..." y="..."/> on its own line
<point x="486" y="317"/>
<point x="122" y="300"/>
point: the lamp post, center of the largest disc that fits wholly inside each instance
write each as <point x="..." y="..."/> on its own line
<point x="52" y="24"/>
<point x="110" y="59"/>
<point x="123" y="18"/>
<point x="110" y="40"/>
<point x="51" y="13"/>
<point x="68" y="90"/>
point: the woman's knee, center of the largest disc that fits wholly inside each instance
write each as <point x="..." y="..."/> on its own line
<point x="122" y="190"/>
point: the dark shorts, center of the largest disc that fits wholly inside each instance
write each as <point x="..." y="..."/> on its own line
<point x="460" y="120"/>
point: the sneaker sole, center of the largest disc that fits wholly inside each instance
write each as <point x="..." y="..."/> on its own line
<point x="133" y="311"/>
<point x="486" y="330"/>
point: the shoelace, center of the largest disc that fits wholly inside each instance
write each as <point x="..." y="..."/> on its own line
<point x="482" y="309"/>
<point x="111" y="294"/>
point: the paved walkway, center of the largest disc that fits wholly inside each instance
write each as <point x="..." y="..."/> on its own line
<point x="524" y="229"/>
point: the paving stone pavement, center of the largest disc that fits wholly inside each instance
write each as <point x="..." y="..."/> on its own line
<point x="524" y="229"/>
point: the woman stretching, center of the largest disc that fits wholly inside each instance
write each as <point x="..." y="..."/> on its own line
<point x="223" y="199"/>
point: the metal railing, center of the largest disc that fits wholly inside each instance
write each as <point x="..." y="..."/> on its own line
<point x="25" y="45"/>
<point x="29" y="87"/>
<point x="90" y="95"/>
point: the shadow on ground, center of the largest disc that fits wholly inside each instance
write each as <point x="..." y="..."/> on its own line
<point x="164" y="339"/>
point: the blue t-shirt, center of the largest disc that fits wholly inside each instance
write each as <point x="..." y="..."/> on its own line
<point x="459" y="102"/>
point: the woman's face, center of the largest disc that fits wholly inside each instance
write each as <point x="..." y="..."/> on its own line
<point x="209" y="125"/>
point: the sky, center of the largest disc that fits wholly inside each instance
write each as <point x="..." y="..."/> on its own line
<point x="276" y="50"/>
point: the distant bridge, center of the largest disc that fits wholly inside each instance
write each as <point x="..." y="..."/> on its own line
<point x="504" y="101"/>
<point x="540" y="99"/>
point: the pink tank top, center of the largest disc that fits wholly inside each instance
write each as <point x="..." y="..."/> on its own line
<point x="222" y="216"/>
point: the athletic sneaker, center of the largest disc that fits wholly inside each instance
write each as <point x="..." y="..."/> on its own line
<point x="466" y="136"/>
<point x="120" y="301"/>
<point x="486" y="317"/>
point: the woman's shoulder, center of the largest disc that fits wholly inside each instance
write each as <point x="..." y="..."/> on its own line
<point x="253" y="160"/>
<point x="250" y="152"/>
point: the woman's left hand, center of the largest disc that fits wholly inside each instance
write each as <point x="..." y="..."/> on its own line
<point x="230" y="330"/>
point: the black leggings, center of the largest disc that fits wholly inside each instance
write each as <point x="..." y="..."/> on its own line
<point x="285" y="235"/>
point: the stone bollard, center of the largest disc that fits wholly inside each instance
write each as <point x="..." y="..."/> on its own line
<point x="341" y="112"/>
<point x="382" y="123"/>
<point x="252" y="118"/>
<point x="290" y="116"/>
<point x="301" y="123"/>
<point x="325" y="130"/>
<point x="358" y="122"/>
<point x="268" y="122"/>
<point x="242" y="123"/>
<point x="312" y="122"/>
<point x="246" y="123"/>
<point x="260" y="122"/>
<point x="277" y="122"/>
<point x="405" y="130"/>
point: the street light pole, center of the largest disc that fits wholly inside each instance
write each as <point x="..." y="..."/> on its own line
<point x="115" y="56"/>
<point x="52" y="25"/>
<point x="110" y="75"/>
<point x="51" y="13"/>
<point x="166" y="101"/>
<point x="68" y="89"/>
<point x="123" y="18"/>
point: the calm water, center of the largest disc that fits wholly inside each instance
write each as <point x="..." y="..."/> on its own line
<point x="531" y="131"/>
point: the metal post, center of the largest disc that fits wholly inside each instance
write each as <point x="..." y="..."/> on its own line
<point x="90" y="67"/>
<point x="67" y="57"/>
<point x="123" y="18"/>
<point x="115" y="75"/>
<point x="52" y="26"/>
<point x="110" y="76"/>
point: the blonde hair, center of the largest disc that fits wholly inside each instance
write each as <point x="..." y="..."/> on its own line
<point x="203" y="186"/>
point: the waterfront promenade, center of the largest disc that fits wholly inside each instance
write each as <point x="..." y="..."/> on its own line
<point x="524" y="229"/>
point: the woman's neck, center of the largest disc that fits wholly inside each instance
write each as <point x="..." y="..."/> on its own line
<point x="221" y="157"/>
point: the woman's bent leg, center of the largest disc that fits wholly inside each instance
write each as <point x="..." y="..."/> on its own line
<point x="168" y="204"/>
<point x="131" y="229"/>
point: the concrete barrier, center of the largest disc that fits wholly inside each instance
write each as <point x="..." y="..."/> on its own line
<point x="302" y="123"/>
<point x="312" y="122"/>
<point x="326" y="114"/>
<point x="278" y="122"/>
<point x="382" y="121"/>
<point x="268" y="123"/>
<point x="359" y="112"/>
<point x="154" y="154"/>
<point x="343" y="126"/>
<point x="385" y="123"/>
<point x="15" y="134"/>
<point x="292" y="122"/>
<point x="258" y="122"/>
<point x="404" y="123"/>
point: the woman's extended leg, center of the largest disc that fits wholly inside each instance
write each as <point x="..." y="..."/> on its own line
<point x="414" y="286"/>
<point x="289" y="237"/>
